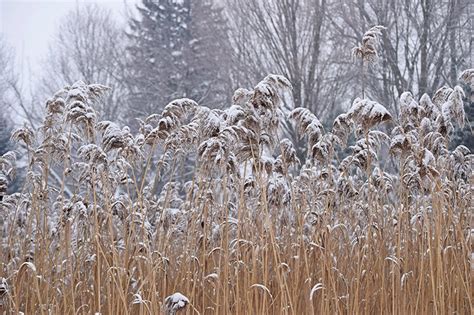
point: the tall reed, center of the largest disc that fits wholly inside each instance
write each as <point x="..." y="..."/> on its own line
<point x="207" y="211"/>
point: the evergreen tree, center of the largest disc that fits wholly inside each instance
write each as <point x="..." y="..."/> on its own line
<point x="178" y="48"/>
<point x="5" y="131"/>
<point x="6" y="128"/>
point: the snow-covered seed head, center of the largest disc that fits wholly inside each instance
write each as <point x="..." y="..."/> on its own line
<point x="3" y="290"/>
<point x="174" y="303"/>
<point x="307" y="125"/>
<point x="467" y="76"/>
<point x="23" y="134"/>
<point x="453" y="108"/>
<point x="367" y="50"/>
<point x="7" y="170"/>
<point x="368" y="113"/>
<point x="175" y="112"/>
<point x="341" y="127"/>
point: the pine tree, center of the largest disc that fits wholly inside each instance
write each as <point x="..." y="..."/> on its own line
<point x="5" y="130"/>
<point x="177" y="49"/>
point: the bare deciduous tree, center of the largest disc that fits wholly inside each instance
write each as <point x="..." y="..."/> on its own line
<point x="6" y="69"/>
<point x="426" y="44"/>
<point x="12" y="93"/>
<point x="286" y="37"/>
<point x="89" y="46"/>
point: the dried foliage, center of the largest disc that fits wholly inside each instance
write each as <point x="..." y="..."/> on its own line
<point x="106" y="223"/>
<point x="367" y="49"/>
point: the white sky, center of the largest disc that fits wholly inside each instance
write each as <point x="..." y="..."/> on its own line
<point x="28" y="26"/>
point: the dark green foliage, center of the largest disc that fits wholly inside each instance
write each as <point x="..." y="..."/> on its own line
<point x="6" y="145"/>
<point x="176" y="51"/>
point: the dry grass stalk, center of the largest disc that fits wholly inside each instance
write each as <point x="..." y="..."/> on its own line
<point x="109" y="222"/>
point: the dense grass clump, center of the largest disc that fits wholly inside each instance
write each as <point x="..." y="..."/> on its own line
<point x="208" y="211"/>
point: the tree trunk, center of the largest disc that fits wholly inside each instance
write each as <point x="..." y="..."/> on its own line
<point x="423" y="82"/>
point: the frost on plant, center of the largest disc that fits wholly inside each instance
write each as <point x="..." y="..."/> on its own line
<point x="174" y="303"/>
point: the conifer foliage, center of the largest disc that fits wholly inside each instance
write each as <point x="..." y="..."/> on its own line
<point x="176" y="51"/>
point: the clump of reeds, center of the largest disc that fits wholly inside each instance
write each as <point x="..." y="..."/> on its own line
<point x="111" y="221"/>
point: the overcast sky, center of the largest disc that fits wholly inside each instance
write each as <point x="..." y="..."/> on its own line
<point x="28" y="26"/>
